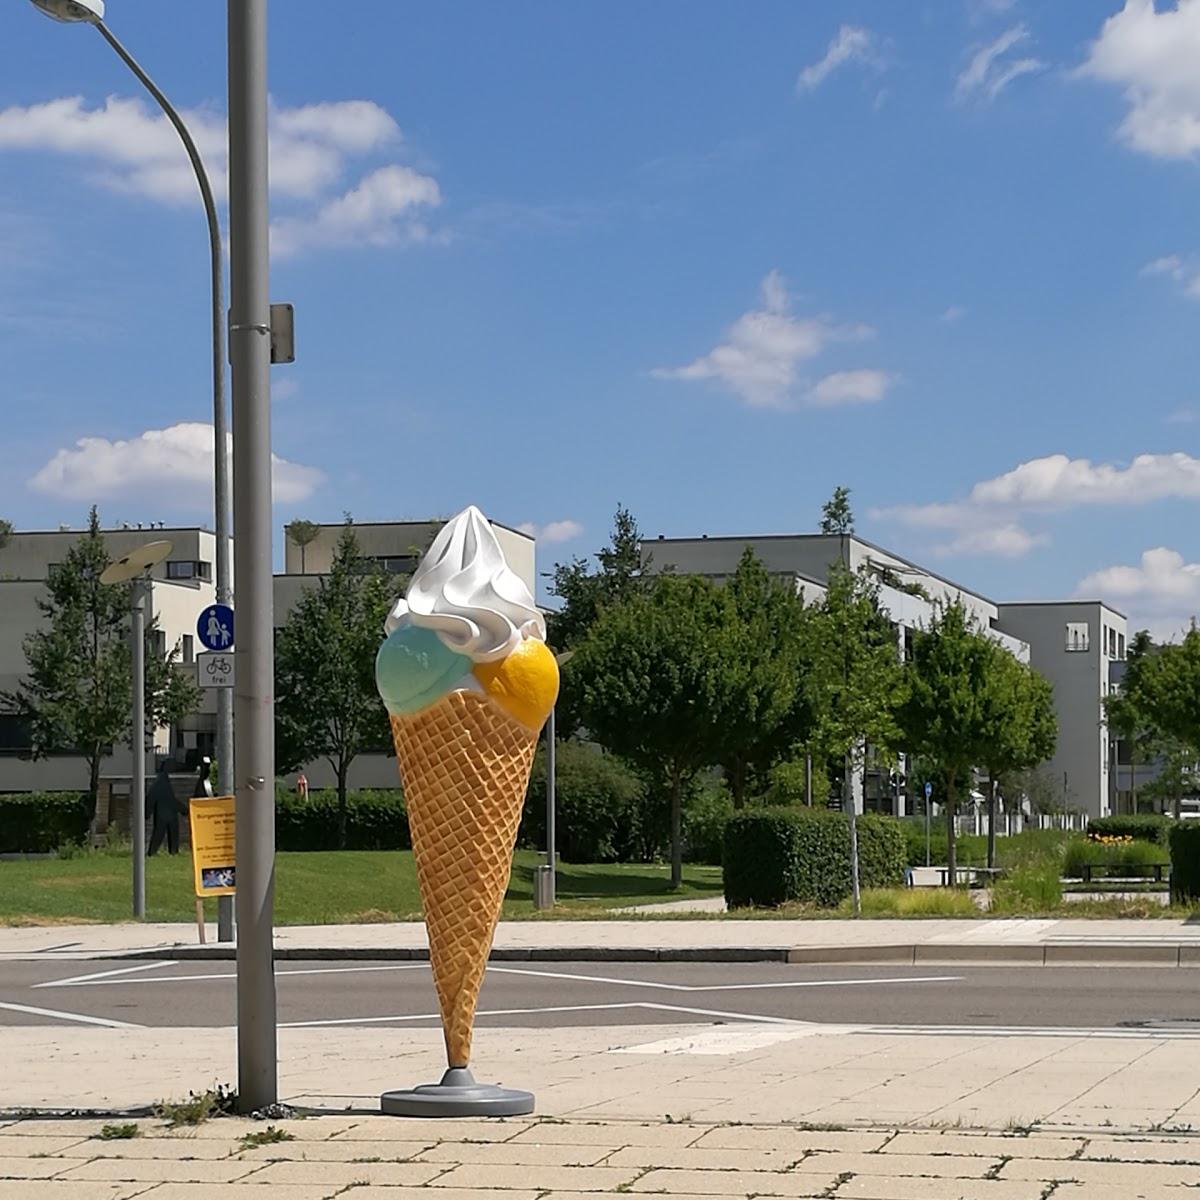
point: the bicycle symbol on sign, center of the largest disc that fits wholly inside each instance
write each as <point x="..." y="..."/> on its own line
<point x="218" y="666"/>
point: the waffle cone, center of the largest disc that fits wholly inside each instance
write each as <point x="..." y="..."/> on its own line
<point x="465" y="764"/>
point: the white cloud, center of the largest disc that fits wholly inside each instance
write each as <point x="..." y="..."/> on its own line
<point x="953" y="314"/>
<point x="761" y="354"/>
<point x="852" y="43"/>
<point x="991" y="69"/>
<point x="1183" y="416"/>
<point x="173" y="464"/>
<point x="1185" y="271"/>
<point x="134" y="149"/>
<point x="378" y="212"/>
<point x="1162" y="592"/>
<point x="986" y="520"/>
<point x="555" y="531"/>
<point x="862" y="386"/>
<point x="1152" y="55"/>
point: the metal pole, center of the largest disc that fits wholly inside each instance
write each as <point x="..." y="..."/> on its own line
<point x="551" y="784"/>
<point x="137" y="744"/>
<point x="220" y="429"/>
<point x="928" y="795"/>
<point x="254" y="707"/>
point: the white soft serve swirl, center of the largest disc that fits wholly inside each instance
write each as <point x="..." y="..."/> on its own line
<point x="468" y="595"/>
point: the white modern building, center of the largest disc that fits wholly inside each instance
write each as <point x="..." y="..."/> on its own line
<point x="1072" y="643"/>
<point x="180" y="588"/>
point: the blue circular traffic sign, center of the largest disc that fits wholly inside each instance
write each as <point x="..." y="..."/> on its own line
<point x="214" y="627"/>
<point x="928" y="790"/>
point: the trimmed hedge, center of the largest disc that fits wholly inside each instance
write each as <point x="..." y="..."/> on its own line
<point x="1145" y="827"/>
<point x="40" y="822"/>
<point x="775" y="855"/>
<point x="600" y="806"/>
<point x="375" y="820"/>
<point x="1185" y="861"/>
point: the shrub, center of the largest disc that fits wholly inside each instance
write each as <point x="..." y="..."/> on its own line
<point x="1185" y="861"/>
<point x="376" y="819"/>
<point x="773" y="855"/>
<point x="1145" y="827"/>
<point x="1032" y="888"/>
<point x="601" y="807"/>
<point x="40" y="822"/>
<point x="1129" y="857"/>
<point x="916" y="902"/>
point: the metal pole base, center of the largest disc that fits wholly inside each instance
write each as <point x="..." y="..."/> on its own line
<point x="458" y="1095"/>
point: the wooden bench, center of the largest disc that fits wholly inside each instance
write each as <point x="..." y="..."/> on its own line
<point x="970" y="874"/>
<point x="1120" y="871"/>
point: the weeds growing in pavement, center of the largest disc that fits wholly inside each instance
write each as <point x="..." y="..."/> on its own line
<point x="115" y="1133"/>
<point x="198" y="1107"/>
<point x="266" y="1137"/>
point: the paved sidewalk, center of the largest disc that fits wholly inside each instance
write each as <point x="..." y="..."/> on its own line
<point x="378" y="1158"/>
<point x="1119" y="1079"/>
<point x="1150" y="942"/>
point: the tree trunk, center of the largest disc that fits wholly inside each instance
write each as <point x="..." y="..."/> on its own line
<point x="737" y="783"/>
<point x="951" y="846"/>
<point x="676" y="831"/>
<point x="342" y="771"/>
<point x="991" y="814"/>
<point x="808" y="780"/>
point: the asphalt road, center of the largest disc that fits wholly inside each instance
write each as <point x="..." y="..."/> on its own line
<point x="558" y="995"/>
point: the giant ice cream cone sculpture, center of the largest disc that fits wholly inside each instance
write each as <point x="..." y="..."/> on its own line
<point x="468" y="681"/>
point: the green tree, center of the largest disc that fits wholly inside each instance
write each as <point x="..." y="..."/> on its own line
<point x="6" y="532"/>
<point x="1021" y="727"/>
<point x="1130" y="710"/>
<point x="585" y="592"/>
<point x="773" y="710"/>
<point x="301" y="533"/>
<point x="76" y="696"/>
<point x="857" y="677"/>
<point x="655" y="677"/>
<point x="945" y="714"/>
<point x="327" y="705"/>
<point x="836" y="515"/>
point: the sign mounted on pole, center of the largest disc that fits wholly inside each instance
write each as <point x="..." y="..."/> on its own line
<point x="214" y="627"/>
<point x="214" y="845"/>
<point x="215" y="670"/>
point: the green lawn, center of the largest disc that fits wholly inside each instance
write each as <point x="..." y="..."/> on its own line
<point x="315" y="888"/>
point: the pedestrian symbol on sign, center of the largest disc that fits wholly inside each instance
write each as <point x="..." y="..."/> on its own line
<point x="215" y="627"/>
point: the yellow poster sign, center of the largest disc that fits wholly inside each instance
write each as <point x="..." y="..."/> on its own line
<point x="214" y="845"/>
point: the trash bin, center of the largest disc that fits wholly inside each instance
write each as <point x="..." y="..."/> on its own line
<point x="543" y="887"/>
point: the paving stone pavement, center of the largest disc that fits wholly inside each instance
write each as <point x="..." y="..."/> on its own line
<point x="368" y="1157"/>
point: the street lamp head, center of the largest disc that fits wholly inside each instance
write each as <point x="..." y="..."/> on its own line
<point x="90" y="11"/>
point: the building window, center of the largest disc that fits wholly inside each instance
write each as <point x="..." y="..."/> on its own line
<point x="1121" y="646"/>
<point x="1112" y="642"/>
<point x="189" y="648"/>
<point x="186" y="568"/>
<point x="1078" y="637"/>
<point x="396" y="564"/>
<point x="14" y="736"/>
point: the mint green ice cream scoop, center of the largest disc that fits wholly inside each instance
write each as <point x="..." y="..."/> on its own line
<point x="414" y="667"/>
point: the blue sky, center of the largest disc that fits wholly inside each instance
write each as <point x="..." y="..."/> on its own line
<point x="707" y="260"/>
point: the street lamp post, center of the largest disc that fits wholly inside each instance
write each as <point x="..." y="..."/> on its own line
<point x="254" y="711"/>
<point x="134" y="569"/>
<point x="92" y="12"/>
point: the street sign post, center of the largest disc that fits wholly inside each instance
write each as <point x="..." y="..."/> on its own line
<point x="215" y="670"/>
<point x="928" y="793"/>
<point x="214" y="627"/>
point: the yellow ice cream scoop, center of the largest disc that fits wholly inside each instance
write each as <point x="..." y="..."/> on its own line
<point x="524" y="683"/>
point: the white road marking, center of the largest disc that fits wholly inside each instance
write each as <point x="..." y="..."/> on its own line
<point x="729" y="1039"/>
<point x="727" y="987"/>
<point x="66" y="1016"/>
<point x="97" y="981"/>
<point x="494" y="1012"/>
<point x="80" y="980"/>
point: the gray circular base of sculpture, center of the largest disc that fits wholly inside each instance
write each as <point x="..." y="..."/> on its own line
<point x="458" y="1095"/>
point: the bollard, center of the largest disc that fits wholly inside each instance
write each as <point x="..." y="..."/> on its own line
<point x="543" y="887"/>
